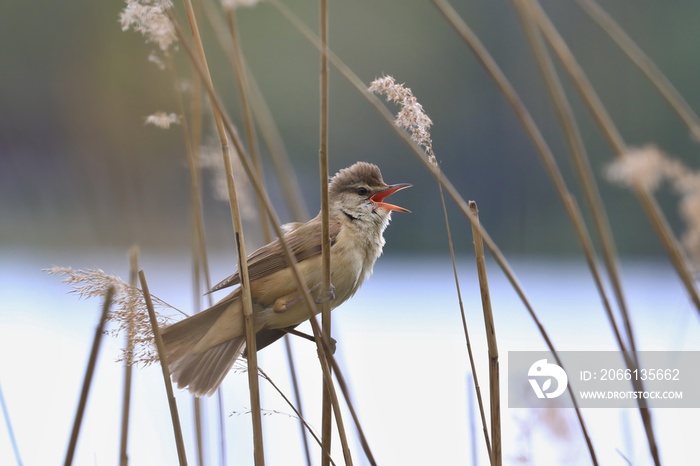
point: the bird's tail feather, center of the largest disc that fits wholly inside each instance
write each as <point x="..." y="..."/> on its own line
<point x="200" y="372"/>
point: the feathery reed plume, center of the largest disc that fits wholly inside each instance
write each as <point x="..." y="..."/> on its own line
<point x="87" y="381"/>
<point x="412" y="118"/>
<point x="128" y="309"/>
<point x="162" y="120"/>
<point x="150" y="19"/>
<point x="648" y="167"/>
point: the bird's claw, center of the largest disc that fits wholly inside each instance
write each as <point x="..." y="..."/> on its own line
<point x="330" y="296"/>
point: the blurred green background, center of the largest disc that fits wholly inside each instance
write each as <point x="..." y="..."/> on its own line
<point x="78" y="168"/>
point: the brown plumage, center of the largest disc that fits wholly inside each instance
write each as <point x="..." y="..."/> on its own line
<point x="201" y="349"/>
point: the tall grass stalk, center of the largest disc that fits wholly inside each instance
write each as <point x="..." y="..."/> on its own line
<point x="645" y="64"/>
<point x="583" y="170"/>
<point x="87" y="380"/>
<point x="326" y="421"/>
<point x="191" y="132"/>
<point x="609" y="129"/>
<point x="573" y="135"/>
<point x="172" y="404"/>
<point x="322" y="344"/>
<point x="129" y="352"/>
<point x="449" y="187"/>
<point x="491" y="342"/>
<point x="546" y="155"/>
<point x="284" y="171"/>
<point x="248" y="125"/>
<point x="200" y="61"/>
<point x="470" y="354"/>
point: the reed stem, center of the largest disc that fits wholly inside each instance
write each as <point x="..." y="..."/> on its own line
<point x="126" y="400"/>
<point x="199" y="61"/>
<point x="172" y="403"/>
<point x="494" y="373"/>
<point x="326" y="421"/>
<point x="87" y="380"/>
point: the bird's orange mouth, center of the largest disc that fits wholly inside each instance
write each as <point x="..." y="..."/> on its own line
<point x="379" y="197"/>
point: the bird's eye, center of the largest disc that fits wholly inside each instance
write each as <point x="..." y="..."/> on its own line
<point x="362" y="191"/>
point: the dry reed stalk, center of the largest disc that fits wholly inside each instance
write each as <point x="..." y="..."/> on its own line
<point x="129" y="351"/>
<point x="322" y="344"/>
<point x="326" y="420"/>
<point x="283" y="170"/>
<point x="536" y="12"/>
<point x="87" y="380"/>
<point x="172" y="404"/>
<point x="491" y="342"/>
<point x="546" y="155"/>
<point x="200" y="61"/>
<point x="412" y="118"/>
<point x="281" y="163"/>
<point x="498" y="256"/>
<point x="583" y="167"/>
<point x="607" y="126"/>
<point x="583" y="170"/>
<point x="645" y="64"/>
<point x="249" y="127"/>
<point x="470" y="354"/>
<point x="10" y="430"/>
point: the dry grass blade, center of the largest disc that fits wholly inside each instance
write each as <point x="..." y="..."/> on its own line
<point x="199" y="61"/>
<point x="494" y="373"/>
<point x="583" y="170"/>
<point x="87" y="381"/>
<point x="472" y="364"/>
<point x="129" y="352"/>
<point x="172" y="404"/>
<point x="326" y="421"/>
<point x="645" y="64"/>
<point x="249" y="127"/>
<point x="610" y="131"/>
<point x="284" y="171"/>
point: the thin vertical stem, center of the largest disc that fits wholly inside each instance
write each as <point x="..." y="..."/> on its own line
<point x="472" y="365"/>
<point x="492" y="343"/>
<point x="200" y="62"/>
<point x="172" y="404"/>
<point x="327" y="425"/>
<point x="249" y="127"/>
<point x="582" y="165"/>
<point x="87" y="381"/>
<point x="126" y="401"/>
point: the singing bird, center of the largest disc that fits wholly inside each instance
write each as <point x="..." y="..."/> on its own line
<point x="201" y="349"/>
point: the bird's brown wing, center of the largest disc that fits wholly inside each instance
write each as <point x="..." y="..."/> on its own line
<point x="304" y="242"/>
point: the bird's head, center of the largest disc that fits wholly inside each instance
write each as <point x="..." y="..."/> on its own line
<point x="359" y="193"/>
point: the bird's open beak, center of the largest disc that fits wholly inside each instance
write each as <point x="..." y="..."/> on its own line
<point x="379" y="197"/>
